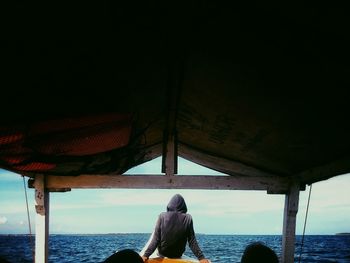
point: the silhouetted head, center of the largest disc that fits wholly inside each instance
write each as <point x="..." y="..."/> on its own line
<point x="124" y="256"/>
<point x="177" y="204"/>
<point x="2" y="260"/>
<point x="259" y="253"/>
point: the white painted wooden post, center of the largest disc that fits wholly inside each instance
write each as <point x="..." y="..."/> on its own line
<point x="289" y="223"/>
<point x="42" y="199"/>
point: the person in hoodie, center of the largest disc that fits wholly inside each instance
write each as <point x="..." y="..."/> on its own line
<point x="172" y="231"/>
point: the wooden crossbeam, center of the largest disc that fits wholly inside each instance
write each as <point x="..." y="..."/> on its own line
<point x="273" y="185"/>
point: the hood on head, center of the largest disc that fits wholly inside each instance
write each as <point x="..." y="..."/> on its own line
<point x="177" y="204"/>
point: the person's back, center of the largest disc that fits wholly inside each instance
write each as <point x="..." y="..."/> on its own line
<point x="173" y="238"/>
<point x="173" y="229"/>
<point x="258" y="253"/>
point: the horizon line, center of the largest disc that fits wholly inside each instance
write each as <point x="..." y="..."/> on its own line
<point x="145" y="233"/>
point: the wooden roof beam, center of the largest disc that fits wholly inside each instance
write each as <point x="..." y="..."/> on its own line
<point x="273" y="185"/>
<point x="220" y="164"/>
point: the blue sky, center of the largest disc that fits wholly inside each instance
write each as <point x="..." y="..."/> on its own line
<point x="213" y="211"/>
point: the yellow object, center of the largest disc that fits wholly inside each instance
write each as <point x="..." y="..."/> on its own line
<point x="172" y="260"/>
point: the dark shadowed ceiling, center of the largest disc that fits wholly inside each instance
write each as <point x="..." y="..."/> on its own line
<point x="246" y="89"/>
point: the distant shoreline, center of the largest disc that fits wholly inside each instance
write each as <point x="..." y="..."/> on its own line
<point x="343" y="234"/>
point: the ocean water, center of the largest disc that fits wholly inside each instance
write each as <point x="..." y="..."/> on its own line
<point x="218" y="248"/>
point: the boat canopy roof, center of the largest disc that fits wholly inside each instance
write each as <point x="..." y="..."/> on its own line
<point x="252" y="90"/>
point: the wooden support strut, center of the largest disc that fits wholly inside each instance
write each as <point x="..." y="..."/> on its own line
<point x="175" y="78"/>
<point x="169" y="162"/>
<point x="42" y="200"/>
<point x="289" y="223"/>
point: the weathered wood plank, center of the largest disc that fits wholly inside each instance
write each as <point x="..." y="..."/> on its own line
<point x="274" y="184"/>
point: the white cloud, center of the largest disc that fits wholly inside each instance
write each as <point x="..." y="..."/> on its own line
<point x="184" y="167"/>
<point x="204" y="203"/>
<point x="230" y="203"/>
<point x="16" y="207"/>
<point x="8" y="177"/>
<point x="75" y="206"/>
<point x="3" y="220"/>
<point x="200" y="203"/>
<point x="89" y="199"/>
<point x="331" y="195"/>
<point x="136" y="198"/>
<point x="151" y="167"/>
